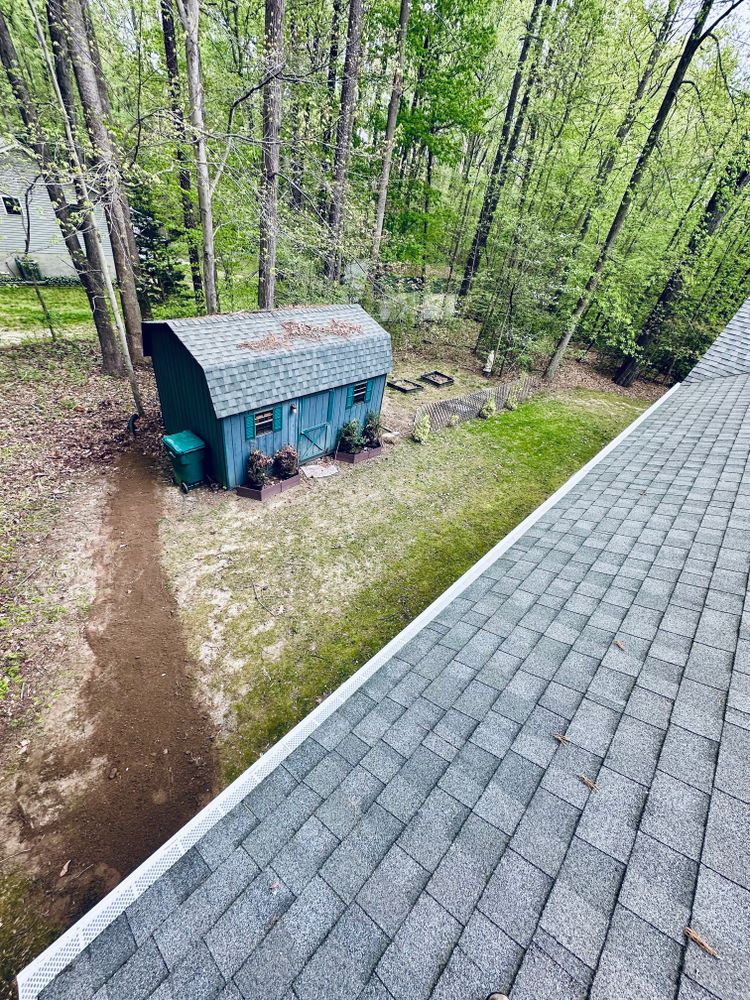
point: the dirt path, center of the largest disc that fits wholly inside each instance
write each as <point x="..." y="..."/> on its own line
<point x="139" y="761"/>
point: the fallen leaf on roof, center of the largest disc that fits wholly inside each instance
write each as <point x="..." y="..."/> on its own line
<point x="561" y="738"/>
<point x="589" y="782"/>
<point x="620" y="645"/>
<point x="65" y="869"/>
<point x="701" y="942"/>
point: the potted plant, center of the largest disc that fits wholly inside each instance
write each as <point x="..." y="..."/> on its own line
<point x="286" y="467"/>
<point x="357" y="444"/>
<point x="259" y="483"/>
<point x="267" y="476"/>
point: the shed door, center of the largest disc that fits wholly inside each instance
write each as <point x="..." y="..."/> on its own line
<point x="315" y="425"/>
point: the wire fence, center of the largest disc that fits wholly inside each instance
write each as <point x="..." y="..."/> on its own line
<point x="445" y="412"/>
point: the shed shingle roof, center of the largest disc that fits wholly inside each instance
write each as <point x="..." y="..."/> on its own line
<point x="431" y="838"/>
<point x="256" y="358"/>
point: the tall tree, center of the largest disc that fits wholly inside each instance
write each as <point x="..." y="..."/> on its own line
<point x="734" y="180"/>
<point x="105" y="151"/>
<point x="397" y="88"/>
<point x="698" y="35"/>
<point x="189" y="11"/>
<point x="77" y="166"/>
<point x="344" y="138"/>
<point x="501" y="160"/>
<point x="70" y="220"/>
<point x="183" y="167"/>
<point x="269" y="200"/>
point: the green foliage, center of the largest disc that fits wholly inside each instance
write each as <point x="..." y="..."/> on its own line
<point x="372" y="431"/>
<point x="489" y="408"/>
<point x="351" y="439"/>
<point x="421" y="431"/>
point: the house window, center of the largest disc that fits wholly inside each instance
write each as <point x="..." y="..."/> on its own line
<point x="360" y="392"/>
<point x="263" y="421"/>
<point x="12" y="205"/>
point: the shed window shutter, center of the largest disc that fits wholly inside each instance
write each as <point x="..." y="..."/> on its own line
<point x="349" y="397"/>
<point x="277" y="417"/>
<point x="249" y="426"/>
<point x="368" y="391"/>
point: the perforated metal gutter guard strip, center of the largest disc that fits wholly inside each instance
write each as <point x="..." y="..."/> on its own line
<point x="40" y="972"/>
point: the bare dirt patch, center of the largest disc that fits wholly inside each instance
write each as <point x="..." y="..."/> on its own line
<point x="126" y="755"/>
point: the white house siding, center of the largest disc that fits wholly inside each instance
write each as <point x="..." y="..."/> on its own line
<point x="18" y="173"/>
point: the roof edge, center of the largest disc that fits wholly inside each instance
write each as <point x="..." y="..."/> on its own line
<point x="39" y="973"/>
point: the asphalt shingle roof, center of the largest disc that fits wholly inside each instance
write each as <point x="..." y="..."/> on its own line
<point x="433" y="839"/>
<point x="297" y="351"/>
<point x="730" y="352"/>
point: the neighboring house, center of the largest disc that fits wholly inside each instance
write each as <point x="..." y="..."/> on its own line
<point x="536" y="789"/>
<point x="261" y="380"/>
<point x="24" y="205"/>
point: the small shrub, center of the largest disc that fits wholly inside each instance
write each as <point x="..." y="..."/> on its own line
<point x="421" y="429"/>
<point x="372" y="432"/>
<point x="258" y="469"/>
<point x="489" y="409"/>
<point x="454" y="420"/>
<point x="510" y="403"/>
<point x="351" y="439"/>
<point x="286" y="462"/>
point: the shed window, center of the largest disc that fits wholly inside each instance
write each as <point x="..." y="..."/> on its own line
<point x="12" y="205"/>
<point x="360" y="392"/>
<point x="263" y="421"/>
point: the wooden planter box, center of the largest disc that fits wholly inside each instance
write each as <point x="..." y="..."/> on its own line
<point x="354" y="458"/>
<point x="269" y="490"/>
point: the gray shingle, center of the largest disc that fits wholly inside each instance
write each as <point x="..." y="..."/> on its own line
<point x="272" y="967"/>
<point x="412" y="963"/>
<point x="463" y="872"/>
<point x="340" y="968"/>
<point x="727" y="846"/>
<point x="659" y="885"/>
<point x="721" y="915"/>
<point x="675" y="814"/>
<point x="638" y="961"/>
<point x="515" y="897"/>
<point x="246" y="922"/>
<point x="393" y="889"/>
<point x="582" y="900"/>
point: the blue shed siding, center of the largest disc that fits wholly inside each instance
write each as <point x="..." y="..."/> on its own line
<point x="185" y="400"/>
<point x="237" y="448"/>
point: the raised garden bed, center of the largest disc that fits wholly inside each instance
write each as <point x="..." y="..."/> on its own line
<point x="436" y="378"/>
<point x="355" y="457"/>
<point x="271" y="489"/>
<point x="405" y="385"/>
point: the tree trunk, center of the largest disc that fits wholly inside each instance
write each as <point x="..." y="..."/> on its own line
<point x="269" y="199"/>
<point x="189" y="15"/>
<point x="692" y="45"/>
<point x="608" y="161"/>
<point x="188" y="210"/>
<point x="333" y="59"/>
<point x="75" y="163"/>
<point x="501" y="161"/>
<point x="731" y="184"/>
<point x="90" y="278"/>
<point x="344" y="138"/>
<point x="390" y="138"/>
<point x="96" y="116"/>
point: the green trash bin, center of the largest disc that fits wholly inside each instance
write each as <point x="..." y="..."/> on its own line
<point x="186" y="452"/>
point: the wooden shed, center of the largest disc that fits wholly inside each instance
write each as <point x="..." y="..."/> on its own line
<point x="261" y="380"/>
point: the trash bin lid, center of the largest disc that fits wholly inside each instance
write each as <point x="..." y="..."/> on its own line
<point x="183" y="443"/>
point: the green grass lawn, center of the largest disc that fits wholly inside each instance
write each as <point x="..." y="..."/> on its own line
<point x="20" y="309"/>
<point x="284" y="602"/>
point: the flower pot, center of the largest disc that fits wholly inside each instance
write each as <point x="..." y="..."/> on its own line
<point x="354" y="458"/>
